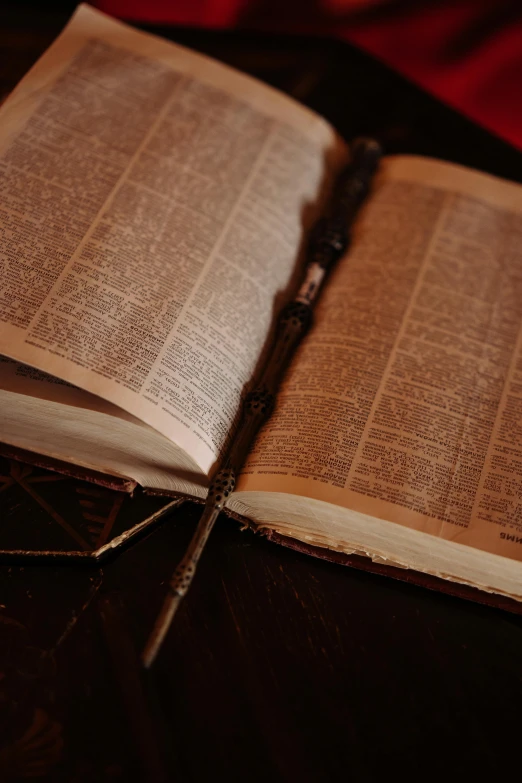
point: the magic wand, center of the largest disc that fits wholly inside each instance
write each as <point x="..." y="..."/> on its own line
<point x="329" y="241"/>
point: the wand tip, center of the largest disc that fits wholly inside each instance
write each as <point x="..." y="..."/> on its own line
<point x="161" y="626"/>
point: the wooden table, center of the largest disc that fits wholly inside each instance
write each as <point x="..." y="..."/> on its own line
<point x="280" y="667"/>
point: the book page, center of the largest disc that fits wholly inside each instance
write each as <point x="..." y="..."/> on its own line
<point x="405" y="400"/>
<point x="153" y="207"/>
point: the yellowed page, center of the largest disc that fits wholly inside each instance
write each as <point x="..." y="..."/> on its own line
<point x="405" y="400"/>
<point x="153" y="204"/>
<point x="24" y="379"/>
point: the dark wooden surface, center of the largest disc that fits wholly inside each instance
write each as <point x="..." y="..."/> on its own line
<point x="279" y="667"/>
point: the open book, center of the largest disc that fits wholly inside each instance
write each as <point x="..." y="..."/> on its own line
<point x="154" y="206"/>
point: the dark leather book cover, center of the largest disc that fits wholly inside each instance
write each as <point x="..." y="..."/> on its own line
<point x="402" y="574"/>
<point x="119" y="483"/>
<point x="54" y="510"/>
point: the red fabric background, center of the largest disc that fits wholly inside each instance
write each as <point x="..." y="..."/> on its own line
<point x="466" y="52"/>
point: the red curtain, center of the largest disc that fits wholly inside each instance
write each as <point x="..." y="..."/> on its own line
<point x="466" y="52"/>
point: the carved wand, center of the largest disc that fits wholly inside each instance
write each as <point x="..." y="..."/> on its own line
<point x="329" y="241"/>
